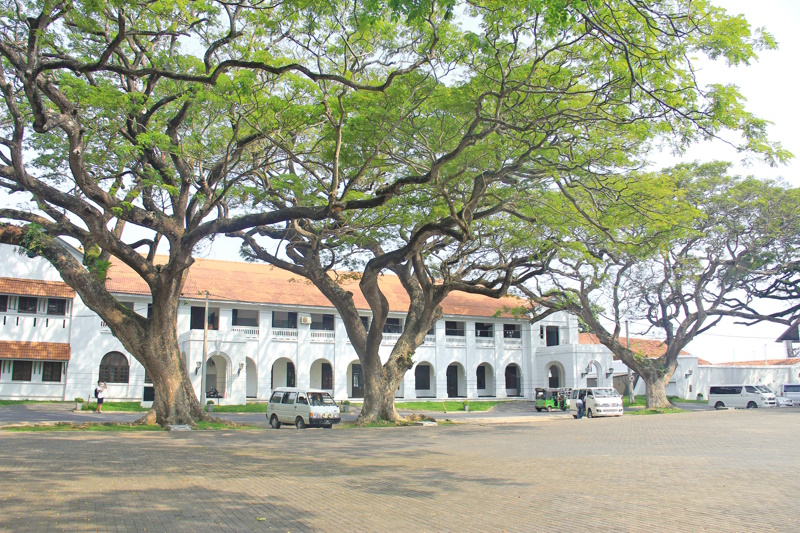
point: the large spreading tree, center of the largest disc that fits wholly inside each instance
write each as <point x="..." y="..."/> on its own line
<point x="680" y="251"/>
<point x="532" y="96"/>
<point x="130" y="127"/>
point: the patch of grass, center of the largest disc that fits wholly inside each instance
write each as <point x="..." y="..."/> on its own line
<point x="135" y="407"/>
<point x="641" y="401"/>
<point x="657" y="411"/>
<point x="448" y="407"/>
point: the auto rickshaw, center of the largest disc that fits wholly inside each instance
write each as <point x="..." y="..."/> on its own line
<point x="552" y="399"/>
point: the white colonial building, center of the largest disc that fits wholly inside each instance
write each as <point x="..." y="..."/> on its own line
<point x="268" y="328"/>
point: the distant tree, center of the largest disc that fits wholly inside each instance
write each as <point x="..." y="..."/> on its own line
<point x="680" y="252"/>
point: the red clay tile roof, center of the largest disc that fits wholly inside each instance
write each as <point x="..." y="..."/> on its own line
<point x="651" y="348"/>
<point x="761" y="362"/>
<point x="33" y="287"/>
<point x="262" y="283"/>
<point x="703" y="362"/>
<point x="40" y="351"/>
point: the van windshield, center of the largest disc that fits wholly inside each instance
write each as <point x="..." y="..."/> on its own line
<point x="605" y="393"/>
<point x="762" y="388"/>
<point x="320" y="399"/>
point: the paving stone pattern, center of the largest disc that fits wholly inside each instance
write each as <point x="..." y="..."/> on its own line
<point x="708" y="471"/>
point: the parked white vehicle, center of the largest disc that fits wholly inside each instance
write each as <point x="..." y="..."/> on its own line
<point x="302" y="407"/>
<point x="790" y="391"/>
<point x="741" y="396"/>
<point x="780" y="401"/>
<point x="597" y="401"/>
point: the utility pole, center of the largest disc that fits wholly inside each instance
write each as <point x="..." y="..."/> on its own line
<point x="205" y="354"/>
<point x="631" y="397"/>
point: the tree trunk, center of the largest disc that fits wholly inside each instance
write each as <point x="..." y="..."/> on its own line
<point x="380" y="386"/>
<point x="656" y="389"/>
<point x="381" y="383"/>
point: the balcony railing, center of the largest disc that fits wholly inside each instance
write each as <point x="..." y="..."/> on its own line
<point x="247" y="331"/>
<point x="390" y="338"/>
<point x="323" y="336"/>
<point x="484" y="342"/>
<point x="513" y="343"/>
<point x="455" y="341"/>
<point x="430" y="340"/>
<point x="284" y="334"/>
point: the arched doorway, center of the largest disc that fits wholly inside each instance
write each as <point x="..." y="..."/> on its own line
<point x="485" y="379"/>
<point x="555" y="375"/>
<point x="513" y="380"/>
<point x="217" y="374"/>
<point x="252" y="378"/>
<point x="424" y="380"/>
<point x="593" y="373"/>
<point x="456" y="381"/>
<point x="322" y="375"/>
<point x="355" y="380"/>
<point x="283" y="373"/>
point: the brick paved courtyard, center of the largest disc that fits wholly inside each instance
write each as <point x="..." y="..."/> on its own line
<point x="713" y="471"/>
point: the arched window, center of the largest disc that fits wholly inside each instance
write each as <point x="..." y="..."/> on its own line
<point x="114" y="368"/>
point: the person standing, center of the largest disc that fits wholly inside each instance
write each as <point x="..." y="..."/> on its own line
<point x="579" y="406"/>
<point x="100" y="393"/>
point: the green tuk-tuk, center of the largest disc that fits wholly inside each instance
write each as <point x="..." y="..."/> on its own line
<point x="552" y="399"/>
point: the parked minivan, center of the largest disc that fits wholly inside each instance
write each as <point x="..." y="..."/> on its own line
<point x="597" y="401"/>
<point x="302" y="407"/>
<point x="791" y="391"/>
<point x="742" y="396"/>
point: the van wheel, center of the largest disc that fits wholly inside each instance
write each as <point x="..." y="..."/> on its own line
<point x="299" y="423"/>
<point x="752" y="405"/>
<point x="273" y="422"/>
<point x="538" y="409"/>
<point x="589" y="414"/>
<point x="719" y="405"/>
<point x="549" y="409"/>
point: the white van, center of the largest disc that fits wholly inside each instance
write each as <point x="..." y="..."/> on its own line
<point x="597" y="401"/>
<point x="302" y="407"/>
<point x="791" y="391"/>
<point x="741" y="396"/>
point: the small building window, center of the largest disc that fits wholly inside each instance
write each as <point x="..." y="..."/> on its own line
<point x="512" y="331"/>
<point x="551" y="335"/>
<point x="3" y="302"/>
<point x="321" y="323"/>
<point x="51" y="371"/>
<point x="245" y="318"/>
<point x="198" y="312"/>
<point x="57" y="307"/>
<point x="27" y="304"/>
<point x="393" y="325"/>
<point x="454" y="329"/>
<point x="22" y="370"/>
<point x="284" y="320"/>
<point x="484" y="330"/>
<point x="422" y="377"/>
<point x="365" y="322"/>
<point x="114" y="368"/>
